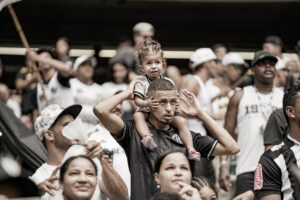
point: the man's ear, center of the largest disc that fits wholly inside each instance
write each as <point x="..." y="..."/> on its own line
<point x="49" y="135"/>
<point x="290" y="112"/>
<point x="156" y="178"/>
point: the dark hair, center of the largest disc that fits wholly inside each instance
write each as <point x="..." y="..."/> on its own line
<point x="48" y="50"/>
<point x="67" y="163"/>
<point x="121" y="62"/>
<point x="148" y="46"/>
<point x="66" y="40"/>
<point x="218" y="45"/>
<point x="160" y="85"/>
<point x="289" y="99"/>
<point x="198" y="67"/>
<point x="162" y="157"/>
<point x="166" y="196"/>
<point x="201" y="182"/>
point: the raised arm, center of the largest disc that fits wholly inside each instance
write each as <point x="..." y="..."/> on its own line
<point x="227" y="145"/>
<point x="61" y="67"/>
<point x="103" y="109"/>
<point x="112" y="183"/>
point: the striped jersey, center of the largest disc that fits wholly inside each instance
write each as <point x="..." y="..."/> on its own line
<point x="273" y="173"/>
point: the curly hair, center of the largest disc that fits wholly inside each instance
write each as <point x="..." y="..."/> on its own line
<point x="201" y="182"/>
<point x="149" y="46"/>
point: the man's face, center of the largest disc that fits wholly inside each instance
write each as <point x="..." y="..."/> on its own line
<point x="272" y="48"/>
<point x="233" y="73"/>
<point x="212" y="68"/>
<point x="61" y="141"/>
<point x="164" y="114"/>
<point x="142" y="36"/>
<point x="264" y="71"/>
<point x="42" y="65"/>
<point x="85" y="70"/>
<point x="296" y="109"/>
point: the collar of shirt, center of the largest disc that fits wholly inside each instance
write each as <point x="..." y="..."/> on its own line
<point x="293" y="140"/>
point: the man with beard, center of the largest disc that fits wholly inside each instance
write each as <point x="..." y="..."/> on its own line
<point x="247" y="115"/>
<point x="48" y="128"/>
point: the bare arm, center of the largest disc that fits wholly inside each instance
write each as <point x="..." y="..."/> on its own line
<point x="103" y="109"/>
<point x="21" y="84"/>
<point x="272" y="197"/>
<point x="227" y="145"/>
<point x="230" y="124"/>
<point x="114" y="186"/>
<point x="192" y="86"/>
<point x="61" y="67"/>
<point x="140" y="102"/>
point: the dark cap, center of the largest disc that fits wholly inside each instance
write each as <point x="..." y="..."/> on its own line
<point x="260" y="55"/>
<point x="274" y="39"/>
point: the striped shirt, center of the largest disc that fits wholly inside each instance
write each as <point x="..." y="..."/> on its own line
<point x="273" y="173"/>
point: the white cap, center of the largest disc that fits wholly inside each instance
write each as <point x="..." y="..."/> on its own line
<point x="82" y="59"/>
<point x="50" y="114"/>
<point x="233" y="58"/>
<point x="202" y="55"/>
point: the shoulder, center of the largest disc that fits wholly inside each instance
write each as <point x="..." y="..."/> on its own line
<point x="237" y="96"/>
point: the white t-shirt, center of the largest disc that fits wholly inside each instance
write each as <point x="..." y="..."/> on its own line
<point x="204" y="100"/>
<point x="120" y="162"/>
<point x="56" y="94"/>
<point x="87" y="96"/>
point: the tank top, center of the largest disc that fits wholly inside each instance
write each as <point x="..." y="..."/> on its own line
<point x="204" y="100"/>
<point x="254" y="110"/>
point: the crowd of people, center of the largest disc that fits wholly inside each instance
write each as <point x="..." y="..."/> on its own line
<point x="152" y="133"/>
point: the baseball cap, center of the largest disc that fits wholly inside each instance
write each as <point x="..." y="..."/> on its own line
<point x="202" y="55"/>
<point x="82" y="59"/>
<point x="233" y="58"/>
<point x="260" y="55"/>
<point x="274" y="39"/>
<point x="49" y="116"/>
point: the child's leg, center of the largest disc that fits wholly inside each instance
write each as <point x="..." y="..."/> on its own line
<point x="140" y="123"/>
<point x="143" y="130"/>
<point x="185" y="134"/>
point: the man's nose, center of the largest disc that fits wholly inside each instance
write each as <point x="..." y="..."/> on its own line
<point x="168" y="106"/>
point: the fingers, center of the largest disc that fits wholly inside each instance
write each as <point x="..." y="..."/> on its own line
<point x="94" y="149"/>
<point x="108" y="160"/>
<point x="48" y="185"/>
<point x="55" y="170"/>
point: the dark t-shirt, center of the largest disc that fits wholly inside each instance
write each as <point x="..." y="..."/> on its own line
<point x="276" y="128"/>
<point x="273" y="175"/>
<point x="141" y="160"/>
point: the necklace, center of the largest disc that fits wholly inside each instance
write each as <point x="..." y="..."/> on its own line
<point x="263" y="108"/>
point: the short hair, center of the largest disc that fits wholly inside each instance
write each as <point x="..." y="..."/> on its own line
<point x="218" y="45"/>
<point x="142" y="27"/>
<point x="67" y="163"/>
<point x="48" y="50"/>
<point x="201" y="182"/>
<point x="149" y="46"/>
<point x="160" y="85"/>
<point x="289" y="99"/>
<point x="166" y="196"/>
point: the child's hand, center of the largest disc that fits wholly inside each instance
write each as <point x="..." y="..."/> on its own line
<point x="153" y="103"/>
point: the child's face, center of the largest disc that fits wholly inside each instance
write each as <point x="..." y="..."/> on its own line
<point x="152" y="65"/>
